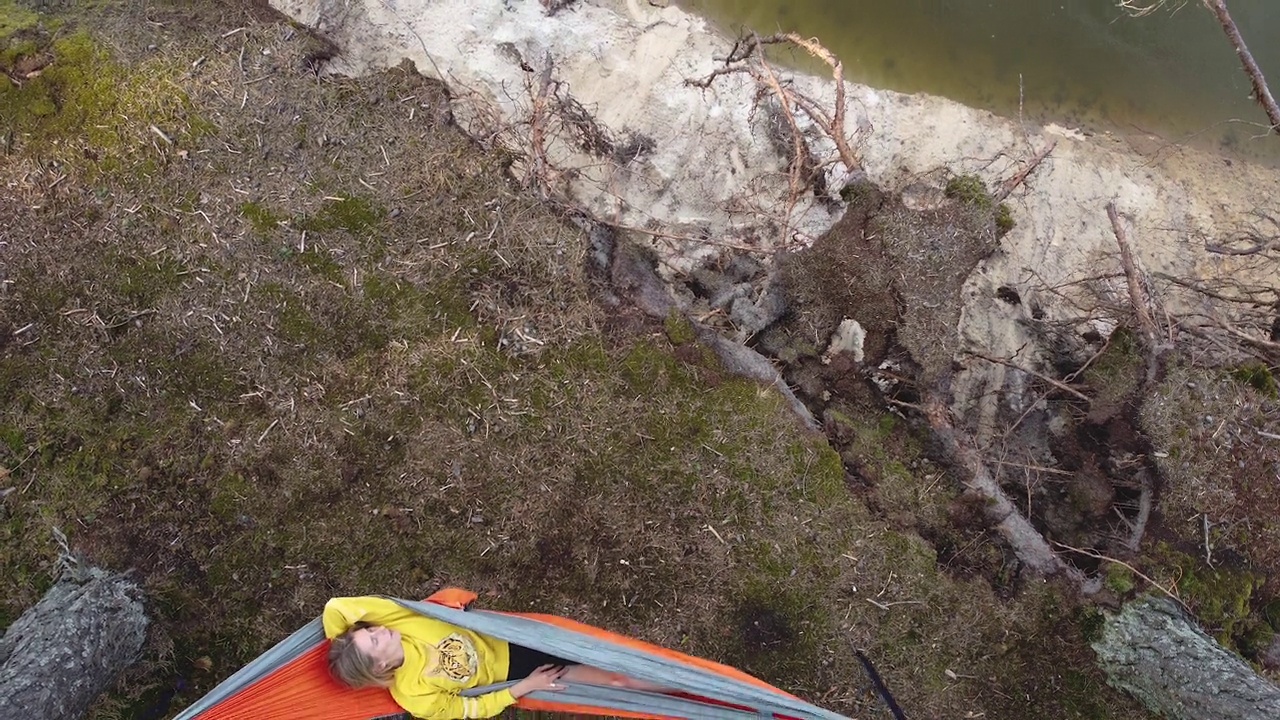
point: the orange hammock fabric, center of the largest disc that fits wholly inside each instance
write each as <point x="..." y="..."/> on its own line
<point x="302" y="687"/>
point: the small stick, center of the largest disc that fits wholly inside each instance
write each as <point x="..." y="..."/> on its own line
<point x="1139" y="526"/>
<point x="886" y="606"/>
<point x="263" y="436"/>
<point x="1208" y="549"/>
<point x="1218" y="296"/>
<point x="160" y="133"/>
<point x="1020" y="121"/>
<point x="1037" y="468"/>
<point x="881" y="689"/>
<point x="713" y="532"/>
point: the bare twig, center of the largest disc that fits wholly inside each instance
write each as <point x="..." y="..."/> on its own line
<point x="1270" y="346"/>
<point x="1260" y="245"/>
<point x="1208" y="548"/>
<point x="1056" y="383"/>
<point x="1099" y="556"/>
<point x="1181" y="282"/>
<point x="888" y="605"/>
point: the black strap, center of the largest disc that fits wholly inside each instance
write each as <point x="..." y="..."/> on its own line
<point x="881" y="690"/>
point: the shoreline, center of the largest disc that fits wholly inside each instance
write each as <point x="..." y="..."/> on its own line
<point x="711" y="181"/>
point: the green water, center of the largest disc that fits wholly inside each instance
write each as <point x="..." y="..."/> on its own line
<point x="1084" y="63"/>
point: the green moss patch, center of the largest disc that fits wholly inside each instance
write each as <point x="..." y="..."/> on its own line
<point x="969" y="189"/>
<point x="263" y="220"/>
<point x="83" y="105"/>
<point x="14" y="19"/>
<point x="1257" y="376"/>
<point x="1222" y="598"/>
<point x="356" y="215"/>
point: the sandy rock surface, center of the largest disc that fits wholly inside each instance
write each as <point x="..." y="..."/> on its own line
<point x="707" y="168"/>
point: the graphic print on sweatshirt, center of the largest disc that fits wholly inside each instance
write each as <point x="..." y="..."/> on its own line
<point x="454" y="658"/>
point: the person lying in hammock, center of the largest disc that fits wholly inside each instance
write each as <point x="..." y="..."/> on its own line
<point x="426" y="663"/>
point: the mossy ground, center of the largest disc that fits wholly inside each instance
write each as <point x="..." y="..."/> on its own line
<point x="1213" y="433"/>
<point x="268" y="338"/>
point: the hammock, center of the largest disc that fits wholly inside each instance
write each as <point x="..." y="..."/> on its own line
<point x="291" y="680"/>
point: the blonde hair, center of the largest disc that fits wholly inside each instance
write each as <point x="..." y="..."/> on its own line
<point x="353" y="668"/>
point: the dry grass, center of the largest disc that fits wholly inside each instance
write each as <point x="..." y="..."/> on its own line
<point x="313" y="343"/>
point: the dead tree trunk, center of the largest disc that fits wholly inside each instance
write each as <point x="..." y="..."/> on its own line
<point x="1261" y="92"/>
<point x="61" y="654"/>
<point x="1152" y="650"/>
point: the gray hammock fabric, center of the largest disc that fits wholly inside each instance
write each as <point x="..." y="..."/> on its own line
<point x="570" y="645"/>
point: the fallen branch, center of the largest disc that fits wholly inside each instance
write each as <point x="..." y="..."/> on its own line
<point x="1261" y="92"/>
<point x="1137" y="294"/>
<point x="1027" y="542"/>
<point x="1012" y="183"/>
<point x="537" y="129"/>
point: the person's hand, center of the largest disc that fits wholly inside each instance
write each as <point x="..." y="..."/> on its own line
<point x="544" y="678"/>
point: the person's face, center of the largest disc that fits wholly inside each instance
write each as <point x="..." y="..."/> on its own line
<point x="379" y="644"/>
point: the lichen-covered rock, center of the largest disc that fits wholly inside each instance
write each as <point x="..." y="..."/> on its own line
<point x="1154" y="651"/>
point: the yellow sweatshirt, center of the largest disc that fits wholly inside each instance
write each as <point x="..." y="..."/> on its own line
<point x="440" y="659"/>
